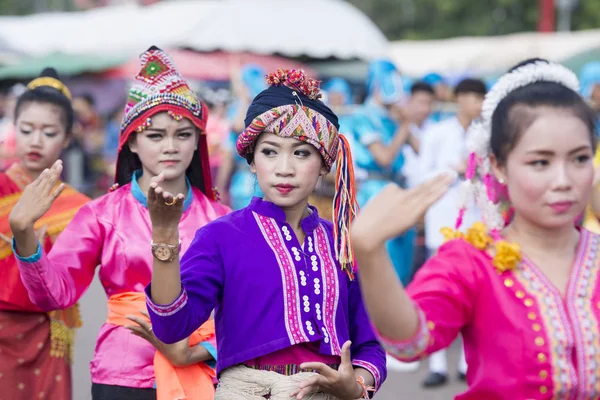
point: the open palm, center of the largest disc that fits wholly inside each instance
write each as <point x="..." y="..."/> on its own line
<point x="37" y="198"/>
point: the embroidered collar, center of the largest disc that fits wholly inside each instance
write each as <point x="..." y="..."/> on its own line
<point x="140" y="196"/>
<point x="268" y="209"/>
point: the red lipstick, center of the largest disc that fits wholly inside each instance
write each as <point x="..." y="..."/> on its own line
<point x="284" y="189"/>
<point x="34" y="156"/>
<point x="561" y="207"/>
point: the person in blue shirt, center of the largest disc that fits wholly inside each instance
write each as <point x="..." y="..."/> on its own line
<point x="378" y="139"/>
<point x="234" y="172"/>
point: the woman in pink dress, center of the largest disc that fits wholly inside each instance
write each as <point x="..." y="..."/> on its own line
<point x="162" y="134"/>
<point x="525" y="296"/>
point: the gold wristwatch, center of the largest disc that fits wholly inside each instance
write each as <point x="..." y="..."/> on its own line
<point x="165" y="252"/>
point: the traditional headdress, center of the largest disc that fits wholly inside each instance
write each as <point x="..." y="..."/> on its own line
<point x="433" y="79"/>
<point x="159" y="88"/>
<point x="253" y="78"/>
<point x="480" y="181"/>
<point x="385" y="78"/>
<point x="290" y="107"/>
<point x="339" y="85"/>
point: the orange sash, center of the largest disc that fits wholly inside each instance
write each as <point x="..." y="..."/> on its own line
<point x="194" y="382"/>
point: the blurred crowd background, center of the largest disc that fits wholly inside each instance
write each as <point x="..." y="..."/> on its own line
<point x="423" y="54"/>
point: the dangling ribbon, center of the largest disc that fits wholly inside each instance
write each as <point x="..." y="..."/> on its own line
<point x="345" y="206"/>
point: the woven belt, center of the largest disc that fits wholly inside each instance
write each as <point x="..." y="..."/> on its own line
<point x="288" y="369"/>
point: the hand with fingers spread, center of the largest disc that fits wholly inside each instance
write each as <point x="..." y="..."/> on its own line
<point x="143" y="329"/>
<point x="394" y="210"/>
<point x="342" y="383"/>
<point x="179" y="354"/>
<point x="37" y="198"/>
<point x="165" y="208"/>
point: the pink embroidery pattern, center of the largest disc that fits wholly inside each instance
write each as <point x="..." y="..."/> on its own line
<point x="331" y="292"/>
<point x="169" y="309"/>
<point x="289" y="280"/>
<point x="585" y="325"/>
<point x="552" y="316"/>
<point x="413" y="347"/>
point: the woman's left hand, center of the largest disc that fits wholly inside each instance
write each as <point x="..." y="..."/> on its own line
<point x="143" y="329"/>
<point x="341" y="383"/>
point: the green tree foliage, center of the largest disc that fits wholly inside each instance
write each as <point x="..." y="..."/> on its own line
<point x="434" y="19"/>
<point x="24" y="7"/>
<point x="587" y="15"/>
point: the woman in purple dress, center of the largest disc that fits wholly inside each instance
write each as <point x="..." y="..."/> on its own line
<point x="289" y="314"/>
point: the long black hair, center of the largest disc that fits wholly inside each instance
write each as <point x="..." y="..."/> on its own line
<point x="129" y="162"/>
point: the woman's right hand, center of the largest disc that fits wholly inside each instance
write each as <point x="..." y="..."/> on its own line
<point x="37" y="198"/>
<point x="165" y="208"/>
<point x="395" y="210"/>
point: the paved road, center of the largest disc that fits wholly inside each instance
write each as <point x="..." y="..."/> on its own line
<point x="407" y="385"/>
<point x="399" y="385"/>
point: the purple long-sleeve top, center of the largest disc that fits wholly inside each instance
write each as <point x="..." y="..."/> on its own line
<point x="269" y="291"/>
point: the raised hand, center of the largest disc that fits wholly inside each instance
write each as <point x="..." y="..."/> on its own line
<point x="394" y="210"/>
<point x="341" y="383"/>
<point x="37" y="198"/>
<point x="165" y="208"/>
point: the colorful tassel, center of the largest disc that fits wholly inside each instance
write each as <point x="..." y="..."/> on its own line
<point x="345" y="207"/>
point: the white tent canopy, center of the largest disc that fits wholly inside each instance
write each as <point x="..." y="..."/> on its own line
<point x="314" y="28"/>
<point x="483" y="55"/>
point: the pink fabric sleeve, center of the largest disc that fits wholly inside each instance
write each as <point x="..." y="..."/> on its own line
<point x="444" y="292"/>
<point x="59" y="279"/>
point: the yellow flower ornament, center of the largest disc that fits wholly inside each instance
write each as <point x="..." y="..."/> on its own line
<point x="506" y="255"/>
<point x="478" y="236"/>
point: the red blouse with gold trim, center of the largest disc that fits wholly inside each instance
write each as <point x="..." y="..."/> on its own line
<point x="523" y="339"/>
<point x="13" y="296"/>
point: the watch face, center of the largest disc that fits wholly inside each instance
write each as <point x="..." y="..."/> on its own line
<point x="163" y="253"/>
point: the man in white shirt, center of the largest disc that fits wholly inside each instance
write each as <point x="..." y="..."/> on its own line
<point x="444" y="148"/>
<point x="418" y="109"/>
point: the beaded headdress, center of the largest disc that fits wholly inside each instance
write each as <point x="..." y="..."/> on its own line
<point x="158" y="87"/>
<point x="291" y="107"/>
<point x="480" y="181"/>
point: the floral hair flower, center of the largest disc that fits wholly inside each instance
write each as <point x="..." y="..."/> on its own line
<point x="296" y="79"/>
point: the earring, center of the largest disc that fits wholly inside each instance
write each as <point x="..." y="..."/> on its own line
<point x="501" y="180"/>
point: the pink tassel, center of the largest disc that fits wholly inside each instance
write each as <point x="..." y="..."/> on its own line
<point x="490" y="186"/>
<point x="495" y="234"/>
<point x="472" y="163"/>
<point x="459" y="219"/>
